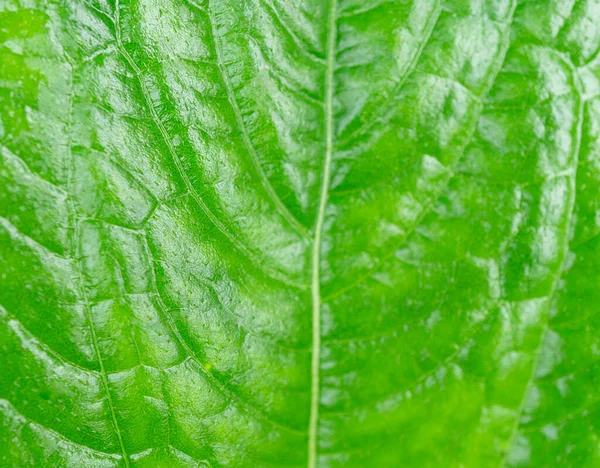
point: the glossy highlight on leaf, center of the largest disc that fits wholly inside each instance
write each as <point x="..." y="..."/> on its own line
<point x="312" y="233"/>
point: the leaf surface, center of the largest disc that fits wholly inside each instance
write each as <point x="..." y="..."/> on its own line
<point x="315" y="233"/>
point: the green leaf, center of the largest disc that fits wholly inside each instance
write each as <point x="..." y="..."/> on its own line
<point x="319" y="233"/>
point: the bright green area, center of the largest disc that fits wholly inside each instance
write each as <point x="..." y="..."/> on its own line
<point x="276" y="233"/>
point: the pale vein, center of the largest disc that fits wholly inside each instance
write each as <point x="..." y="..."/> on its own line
<point x="316" y="249"/>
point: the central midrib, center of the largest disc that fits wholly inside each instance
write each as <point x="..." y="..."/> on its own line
<point x="316" y="246"/>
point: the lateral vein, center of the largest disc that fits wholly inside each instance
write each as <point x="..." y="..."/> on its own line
<point x="75" y="228"/>
<point x="264" y="180"/>
<point x="266" y="270"/>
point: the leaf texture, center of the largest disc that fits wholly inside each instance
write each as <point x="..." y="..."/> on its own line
<point x="316" y="233"/>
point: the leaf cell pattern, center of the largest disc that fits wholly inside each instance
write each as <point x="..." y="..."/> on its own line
<point x="317" y="233"/>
